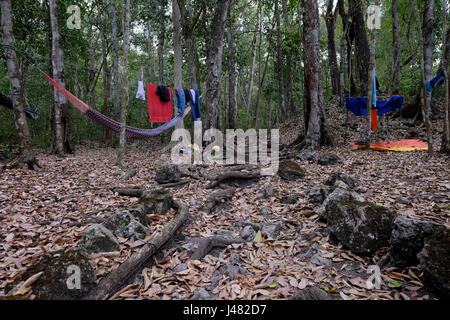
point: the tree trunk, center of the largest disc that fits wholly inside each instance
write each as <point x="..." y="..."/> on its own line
<point x="280" y="63"/>
<point x="62" y="141"/>
<point x="252" y="66"/>
<point x="445" y="148"/>
<point x="161" y="40"/>
<point x="362" y="45"/>
<point x="106" y="72"/>
<point x="289" y="65"/>
<point x="232" y="83"/>
<point x="396" y="51"/>
<point x="214" y="65"/>
<point x="126" y="17"/>
<point x="27" y="158"/>
<point x="331" y="19"/>
<point x="316" y="133"/>
<point x="425" y="64"/>
<point x="178" y="54"/>
<point x="115" y="45"/>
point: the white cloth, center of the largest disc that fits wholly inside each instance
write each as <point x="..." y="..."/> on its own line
<point x="193" y="95"/>
<point x="141" y="92"/>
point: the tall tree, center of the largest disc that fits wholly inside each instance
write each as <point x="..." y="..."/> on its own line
<point x="62" y="142"/>
<point x="290" y="101"/>
<point x="426" y="62"/>
<point x="126" y="18"/>
<point x="315" y="127"/>
<point x="161" y="39"/>
<point x="330" y="21"/>
<point x="27" y="157"/>
<point x="445" y="148"/>
<point x="280" y="62"/>
<point x="361" y="43"/>
<point x="396" y="50"/>
<point x="232" y="82"/>
<point x="214" y="65"/>
<point x="115" y="49"/>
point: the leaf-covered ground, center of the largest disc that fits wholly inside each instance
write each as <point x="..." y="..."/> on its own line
<point x="48" y="210"/>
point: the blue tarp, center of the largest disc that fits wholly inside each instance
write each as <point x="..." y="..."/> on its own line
<point x="358" y="106"/>
<point x="436" y="81"/>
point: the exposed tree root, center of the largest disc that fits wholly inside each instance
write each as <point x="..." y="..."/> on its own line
<point x="118" y="277"/>
<point x="233" y="175"/>
<point x="216" y="198"/>
<point x="131" y="172"/>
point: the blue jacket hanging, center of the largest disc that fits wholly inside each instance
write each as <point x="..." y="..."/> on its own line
<point x="195" y="104"/>
<point x="436" y="81"/>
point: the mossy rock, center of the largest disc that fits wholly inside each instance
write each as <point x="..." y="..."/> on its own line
<point x="363" y="227"/>
<point x="156" y="201"/>
<point x="58" y="281"/>
<point x="435" y="261"/>
<point x="290" y="170"/>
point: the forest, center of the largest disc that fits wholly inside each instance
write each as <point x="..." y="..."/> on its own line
<point x="224" y="150"/>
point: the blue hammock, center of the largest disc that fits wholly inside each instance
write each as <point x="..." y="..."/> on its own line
<point x="436" y="81"/>
<point x="358" y="106"/>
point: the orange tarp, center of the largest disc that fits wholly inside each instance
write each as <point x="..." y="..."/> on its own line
<point x="400" y="145"/>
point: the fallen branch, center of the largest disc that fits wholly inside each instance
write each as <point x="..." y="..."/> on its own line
<point x="206" y="245"/>
<point x="131" y="172"/>
<point x="117" y="277"/>
<point x="216" y="198"/>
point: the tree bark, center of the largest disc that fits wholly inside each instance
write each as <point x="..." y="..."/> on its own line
<point x="396" y="51"/>
<point x="27" y="158"/>
<point x="252" y="66"/>
<point x="289" y="65"/>
<point x="161" y="40"/>
<point x="232" y="83"/>
<point x="361" y="43"/>
<point x="445" y="148"/>
<point x="330" y="21"/>
<point x="62" y="125"/>
<point x="425" y="63"/>
<point x="214" y="65"/>
<point x="126" y="18"/>
<point x="280" y="63"/>
<point x="115" y="45"/>
<point x="316" y="133"/>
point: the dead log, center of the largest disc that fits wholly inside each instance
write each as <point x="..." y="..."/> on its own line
<point x="207" y="244"/>
<point x="117" y="277"/>
<point x="233" y="175"/>
<point x="129" y="192"/>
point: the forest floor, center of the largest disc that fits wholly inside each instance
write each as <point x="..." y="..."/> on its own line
<point x="48" y="210"/>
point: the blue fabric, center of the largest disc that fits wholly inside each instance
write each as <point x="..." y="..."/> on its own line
<point x="196" y="113"/>
<point x="436" y="81"/>
<point x="358" y="106"/>
<point x="181" y="100"/>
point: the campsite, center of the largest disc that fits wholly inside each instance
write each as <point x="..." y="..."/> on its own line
<point x="244" y="150"/>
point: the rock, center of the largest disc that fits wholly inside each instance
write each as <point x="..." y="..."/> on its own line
<point x="201" y="294"/>
<point x="289" y="198"/>
<point x="307" y="155"/>
<point x="402" y="200"/>
<point x="59" y="279"/>
<point x="265" y="211"/>
<point x="290" y="171"/>
<point x="351" y="182"/>
<point x="318" y="260"/>
<point x="435" y="261"/>
<point x="157" y="200"/>
<point x="268" y="191"/>
<point x="97" y="238"/>
<point x="317" y="195"/>
<point x="363" y="227"/>
<point x="180" y="267"/>
<point x="248" y="233"/>
<point x="271" y="230"/>
<point x="407" y="239"/>
<point x="311" y="293"/>
<point x="329" y="159"/>
<point x="124" y="224"/>
<point x="337" y="194"/>
<point x="166" y="172"/>
<point x="234" y="259"/>
<point x="227" y="270"/>
<point x="309" y="253"/>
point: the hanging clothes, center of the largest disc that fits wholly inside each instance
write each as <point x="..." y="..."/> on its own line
<point x="436" y="81"/>
<point x="164" y="93"/>
<point x="195" y="104"/>
<point x="181" y="100"/>
<point x="158" y="110"/>
<point x="374" y="117"/>
<point x="141" y="91"/>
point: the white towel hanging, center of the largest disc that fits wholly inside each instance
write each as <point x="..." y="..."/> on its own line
<point x="140" y="92"/>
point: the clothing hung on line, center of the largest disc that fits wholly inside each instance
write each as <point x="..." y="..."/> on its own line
<point x="436" y="81"/>
<point x="181" y="100"/>
<point x="195" y="104"/>
<point x="158" y="110"/>
<point x="141" y="91"/>
<point x="164" y="93"/>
